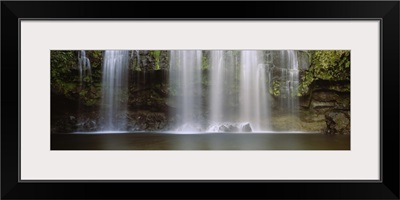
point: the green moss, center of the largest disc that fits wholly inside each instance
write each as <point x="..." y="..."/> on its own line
<point x="65" y="79"/>
<point x="156" y="56"/>
<point x="332" y="65"/>
<point x="275" y="89"/>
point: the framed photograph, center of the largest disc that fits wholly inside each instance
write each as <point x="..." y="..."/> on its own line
<point x="115" y="98"/>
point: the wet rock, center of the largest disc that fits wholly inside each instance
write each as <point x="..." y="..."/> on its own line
<point x="303" y="59"/>
<point x="304" y="101"/>
<point x="162" y="124"/>
<point x="164" y="60"/>
<point x="147" y="121"/>
<point x="325" y="96"/>
<point x="338" y="86"/>
<point x="87" y="124"/>
<point x="228" y="127"/>
<point x="64" y="123"/>
<point x="337" y="122"/>
<point x="312" y="117"/>
<point x="342" y="107"/>
<point x="231" y="128"/>
<point x="246" y="127"/>
<point x="223" y="128"/>
<point x="321" y="104"/>
<point x="343" y="102"/>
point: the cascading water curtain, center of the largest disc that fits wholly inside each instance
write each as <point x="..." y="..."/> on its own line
<point x="290" y="77"/>
<point x="115" y="90"/>
<point x="186" y="84"/>
<point x="254" y="104"/>
<point x="223" y="93"/>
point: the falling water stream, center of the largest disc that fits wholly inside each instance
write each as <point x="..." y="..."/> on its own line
<point x="217" y="79"/>
<point x="114" y="90"/>
<point x="254" y="106"/>
<point x="84" y="66"/>
<point x="186" y="83"/>
<point x="290" y="77"/>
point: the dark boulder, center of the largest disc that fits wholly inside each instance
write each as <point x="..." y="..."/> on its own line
<point x="246" y="127"/>
<point x="337" y="122"/>
<point x="231" y="128"/>
<point x="223" y="128"/>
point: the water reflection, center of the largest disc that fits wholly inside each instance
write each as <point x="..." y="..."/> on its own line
<point x="207" y="141"/>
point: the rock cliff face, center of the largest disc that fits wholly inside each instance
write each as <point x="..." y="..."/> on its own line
<point x="337" y="122"/>
<point x="147" y="107"/>
<point x="329" y="104"/>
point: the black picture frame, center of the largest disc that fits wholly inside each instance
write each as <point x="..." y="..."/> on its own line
<point x="386" y="11"/>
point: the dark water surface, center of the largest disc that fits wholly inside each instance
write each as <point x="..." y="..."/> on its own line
<point x="203" y="141"/>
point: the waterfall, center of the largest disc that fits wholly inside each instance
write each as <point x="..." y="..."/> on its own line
<point x="84" y="66"/>
<point x="222" y="96"/>
<point x="254" y="104"/>
<point x="185" y="80"/>
<point x="209" y="91"/>
<point x="217" y="97"/>
<point x="85" y="74"/>
<point x="290" y="79"/>
<point x="114" y="90"/>
<point x="248" y="92"/>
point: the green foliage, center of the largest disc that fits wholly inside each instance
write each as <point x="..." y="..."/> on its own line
<point x="65" y="79"/>
<point x="333" y="65"/>
<point x="96" y="61"/>
<point x="306" y="79"/>
<point x="275" y="89"/>
<point x="156" y="56"/>
<point x="62" y="64"/>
